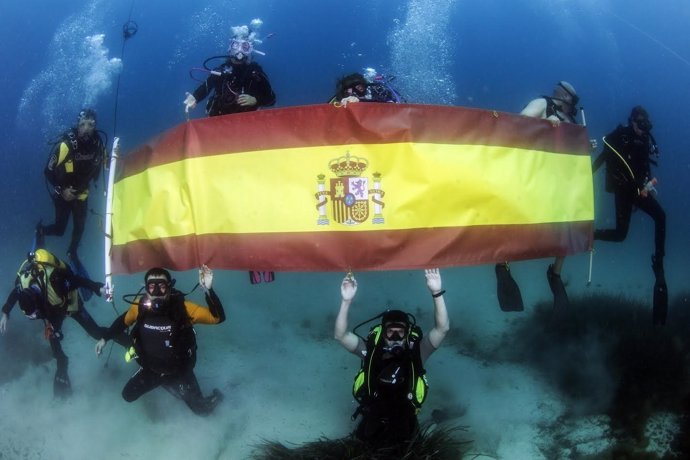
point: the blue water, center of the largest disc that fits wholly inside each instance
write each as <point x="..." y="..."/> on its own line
<point x="493" y="54"/>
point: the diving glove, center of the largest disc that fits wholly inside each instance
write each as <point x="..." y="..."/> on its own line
<point x="189" y="102"/>
<point x="97" y="288"/>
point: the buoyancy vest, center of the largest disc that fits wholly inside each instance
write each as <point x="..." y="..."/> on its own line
<point x="381" y="92"/>
<point x="233" y="81"/>
<point x="75" y="162"/>
<point x="51" y="275"/>
<point x="628" y="160"/>
<point x="165" y="342"/>
<point x="368" y="387"/>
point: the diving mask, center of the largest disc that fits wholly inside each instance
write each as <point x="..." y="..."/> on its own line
<point x="395" y="334"/>
<point x="30" y="300"/>
<point x="574" y="98"/>
<point x="359" y="90"/>
<point x="240" y="49"/>
<point x="86" y="126"/>
<point x="157" y="287"/>
<point x="157" y="293"/>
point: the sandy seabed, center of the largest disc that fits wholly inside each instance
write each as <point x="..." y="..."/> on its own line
<point x="285" y="379"/>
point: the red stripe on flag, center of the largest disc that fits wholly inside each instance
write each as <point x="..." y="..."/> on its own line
<point x="361" y="251"/>
<point x="318" y="125"/>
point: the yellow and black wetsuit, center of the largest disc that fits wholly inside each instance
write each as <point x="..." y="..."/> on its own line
<point x="165" y="346"/>
<point x="58" y="297"/>
<point x="74" y="162"/>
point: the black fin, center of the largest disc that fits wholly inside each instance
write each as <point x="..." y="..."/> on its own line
<point x="254" y="277"/>
<point x="62" y="387"/>
<point x="507" y="290"/>
<point x="560" y="297"/>
<point x="660" y="308"/>
<point x="39" y="237"/>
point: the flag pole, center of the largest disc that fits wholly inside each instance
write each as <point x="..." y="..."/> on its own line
<point x="108" y="229"/>
<point x="591" y="250"/>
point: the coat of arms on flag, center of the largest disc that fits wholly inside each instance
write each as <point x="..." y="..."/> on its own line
<point x="349" y="192"/>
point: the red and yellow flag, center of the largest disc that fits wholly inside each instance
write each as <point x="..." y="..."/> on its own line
<point x="364" y="187"/>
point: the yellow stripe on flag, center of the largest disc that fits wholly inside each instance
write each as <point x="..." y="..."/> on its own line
<point x="425" y="186"/>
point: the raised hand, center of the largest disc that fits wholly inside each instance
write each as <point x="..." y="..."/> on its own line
<point x="433" y="280"/>
<point x="205" y="277"/>
<point x="348" y="288"/>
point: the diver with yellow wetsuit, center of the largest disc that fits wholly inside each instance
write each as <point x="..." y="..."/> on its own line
<point x="75" y="161"/>
<point x="47" y="290"/>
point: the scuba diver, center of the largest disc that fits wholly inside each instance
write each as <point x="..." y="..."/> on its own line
<point x="561" y="106"/>
<point x="628" y="152"/>
<point x="48" y="290"/>
<point x="76" y="160"/>
<point x="366" y="87"/>
<point x="238" y="84"/>
<point x="391" y="385"/>
<point x="164" y="340"/>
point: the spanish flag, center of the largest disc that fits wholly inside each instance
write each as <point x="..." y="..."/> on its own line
<point x="363" y="187"/>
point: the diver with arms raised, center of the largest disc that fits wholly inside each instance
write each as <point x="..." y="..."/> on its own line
<point x="391" y="385"/>
<point x="164" y="340"/>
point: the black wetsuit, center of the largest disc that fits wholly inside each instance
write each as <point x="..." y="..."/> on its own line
<point x="626" y="184"/>
<point x="375" y="92"/>
<point x="74" y="162"/>
<point x="235" y="79"/>
<point x="380" y="92"/>
<point x="165" y="345"/>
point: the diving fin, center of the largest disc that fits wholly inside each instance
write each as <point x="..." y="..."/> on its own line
<point x="39" y="240"/>
<point x="560" y="297"/>
<point x="62" y="387"/>
<point x="215" y="398"/>
<point x="254" y="277"/>
<point x="660" y="308"/>
<point x="79" y="270"/>
<point x="507" y="290"/>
